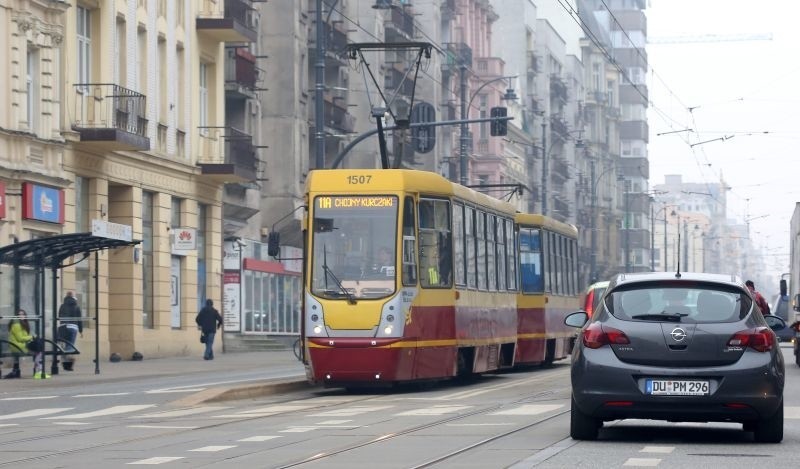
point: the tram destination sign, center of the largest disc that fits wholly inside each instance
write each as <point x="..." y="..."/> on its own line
<point x="380" y="201"/>
<point x="106" y="229"/>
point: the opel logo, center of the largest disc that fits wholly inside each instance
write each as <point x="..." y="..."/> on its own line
<point x="678" y="334"/>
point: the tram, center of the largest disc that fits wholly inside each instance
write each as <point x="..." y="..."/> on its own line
<point x="549" y="290"/>
<point x="409" y="277"/>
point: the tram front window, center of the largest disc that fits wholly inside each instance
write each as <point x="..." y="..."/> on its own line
<point x="354" y="246"/>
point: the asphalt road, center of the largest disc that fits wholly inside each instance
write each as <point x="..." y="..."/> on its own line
<point x="516" y="420"/>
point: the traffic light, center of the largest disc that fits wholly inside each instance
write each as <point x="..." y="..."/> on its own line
<point x="499" y="128"/>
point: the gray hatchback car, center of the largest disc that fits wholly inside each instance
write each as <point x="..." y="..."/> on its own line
<point x="676" y="347"/>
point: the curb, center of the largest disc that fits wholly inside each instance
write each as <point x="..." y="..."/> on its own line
<point x="231" y="393"/>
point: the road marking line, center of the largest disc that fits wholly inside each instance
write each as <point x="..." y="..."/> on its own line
<point x="529" y="409"/>
<point x="157" y="460"/>
<point x="435" y="410"/>
<point x="168" y="391"/>
<point x="8" y="425"/>
<point x="333" y="422"/>
<point x="791" y="412"/>
<point x="479" y="424"/>
<point x="115" y="410"/>
<point x="298" y="430"/>
<point x="35" y="413"/>
<point x="258" y="438"/>
<point x="103" y="395"/>
<point x="212" y="449"/>
<point x="166" y="427"/>
<point x="642" y="462"/>
<point x="275" y="408"/>
<point x="31" y="398"/>
<point x="350" y="411"/>
<point x="70" y="423"/>
<point x="657" y="449"/>
<point x="181" y="412"/>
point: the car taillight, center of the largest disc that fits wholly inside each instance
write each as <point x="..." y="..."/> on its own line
<point x="759" y="339"/>
<point x="589" y="305"/>
<point x="596" y="336"/>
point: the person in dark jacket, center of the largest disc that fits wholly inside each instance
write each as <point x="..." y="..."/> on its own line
<point x="209" y="320"/>
<point x="68" y="330"/>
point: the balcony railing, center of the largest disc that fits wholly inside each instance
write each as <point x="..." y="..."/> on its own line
<point x="112" y="115"/>
<point x="533" y="63"/>
<point x="559" y="126"/>
<point x="235" y="23"/>
<point x="240" y="70"/>
<point x="558" y="88"/>
<point x="402" y="24"/>
<point x="336" y="115"/>
<point x="456" y="54"/>
<point x="227" y="155"/>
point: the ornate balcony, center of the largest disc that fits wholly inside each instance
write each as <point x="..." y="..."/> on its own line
<point x="336" y="115"/>
<point x="110" y="117"/>
<point x="456" y="54"/>
<point x="558" y="88"/>
<point x="400" y="26"/>
<point x="236" y="23"/>
<point x="227" y="155"/>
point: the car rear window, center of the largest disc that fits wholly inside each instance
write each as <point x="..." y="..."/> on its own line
<point x="685" y="303"/>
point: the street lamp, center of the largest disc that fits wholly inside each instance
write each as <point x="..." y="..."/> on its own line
<point x="509" y="95"/>
<point x="593" y="226"/>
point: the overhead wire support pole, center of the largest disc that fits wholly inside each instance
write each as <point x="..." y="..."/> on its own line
<point x="319" y="92"/>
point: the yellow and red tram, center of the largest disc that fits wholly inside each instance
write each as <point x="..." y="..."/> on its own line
<point x="548" y="264"/>
<point x="408" y="277"/>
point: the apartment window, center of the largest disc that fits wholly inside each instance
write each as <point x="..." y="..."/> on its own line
<point x="82" y="214"/>
<point x="203" y="98"/>
<point x="120" y="70"/>
<point x="175" y="212"/>
<point x="483" y="104"/>
<point x="32" y="87"/>
<point x="84" y="45"/>
<point x="148" y="321"/>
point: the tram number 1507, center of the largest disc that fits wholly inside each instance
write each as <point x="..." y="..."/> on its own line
<point x="358" y="179"/>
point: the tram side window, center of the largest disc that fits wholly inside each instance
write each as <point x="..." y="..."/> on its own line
<point x="480" y="234"/>
<point x="511" y="246"/>
<point x="436" y="246"/>
<point x="491" y="250"/>
<point x="500" y="236"/>
<point x="409" y="244"/>
<point x="574" y="263"/>
<point x="530" y="260"/>
<point x="547" y="262"/>
<point x="472" y="267"/>
<point x="459" y="245"/>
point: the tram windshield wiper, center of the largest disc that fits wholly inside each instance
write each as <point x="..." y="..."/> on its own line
<point x="350" y="298"/>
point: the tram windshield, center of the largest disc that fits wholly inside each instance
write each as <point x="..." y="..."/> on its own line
<point x="354" y="246"/>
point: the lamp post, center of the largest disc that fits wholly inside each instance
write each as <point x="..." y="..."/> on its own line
<point x="593" y="225"/>
<point x="465" y="105"/>
<point x="653" y="218"/>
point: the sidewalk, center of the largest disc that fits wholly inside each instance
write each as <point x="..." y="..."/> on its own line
<point x="278" y="362"/>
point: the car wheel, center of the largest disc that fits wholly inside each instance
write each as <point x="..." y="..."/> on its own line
<point x="583" y="426"/>
<point x="770" y="429"/>
<point x="549" y="353"/>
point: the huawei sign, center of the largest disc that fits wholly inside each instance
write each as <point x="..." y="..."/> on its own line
<point x="184" y="239"/>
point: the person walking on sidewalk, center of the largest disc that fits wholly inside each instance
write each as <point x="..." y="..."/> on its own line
<point x="68" y="330"/>
<point x="209" y="320"/>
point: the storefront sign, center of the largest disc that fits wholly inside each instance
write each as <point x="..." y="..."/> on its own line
<point x="107" y="229"/>
<point x="183" y="240"/>
<point x="231" y="307"/>
<point x="42" y="203"/>
<point x="231" y="252"/>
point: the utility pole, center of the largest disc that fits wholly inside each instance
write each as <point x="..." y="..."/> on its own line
<point x="665" y="238"/>
<point x="319" y="92"/>
<point x="652" y="238"/>
<point x="686" y="245"/>
<point x="627" y="229"/>
<point x="462" y="160"/>
<point x="593" y="227"/>
<point x="544" y="165"/>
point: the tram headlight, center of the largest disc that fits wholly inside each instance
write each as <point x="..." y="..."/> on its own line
<point x="388" y="329"/>
<point x="317" y="329"/>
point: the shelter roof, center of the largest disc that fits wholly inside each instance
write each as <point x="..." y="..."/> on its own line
<point x="51" y="251"/>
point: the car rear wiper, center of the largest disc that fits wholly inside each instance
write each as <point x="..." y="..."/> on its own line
<point x="663" y="316"/>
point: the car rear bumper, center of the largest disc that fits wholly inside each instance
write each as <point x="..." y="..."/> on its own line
<point x="606" y="388"/>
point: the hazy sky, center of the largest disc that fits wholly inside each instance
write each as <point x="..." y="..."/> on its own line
<point x="737" y="88"/>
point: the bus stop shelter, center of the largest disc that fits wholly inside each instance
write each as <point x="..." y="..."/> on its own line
<point x="55" y="253"/>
